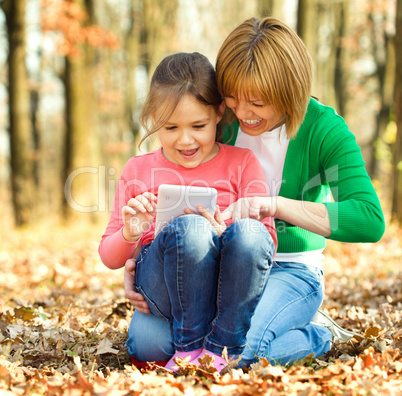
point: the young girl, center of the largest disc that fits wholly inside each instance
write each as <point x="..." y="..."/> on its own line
<point x="201" y="275"/>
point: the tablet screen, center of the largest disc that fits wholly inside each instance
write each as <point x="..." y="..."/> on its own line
<point x="173" y="199"/>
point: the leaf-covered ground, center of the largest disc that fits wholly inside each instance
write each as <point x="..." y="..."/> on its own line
<point x="63" y="322"/>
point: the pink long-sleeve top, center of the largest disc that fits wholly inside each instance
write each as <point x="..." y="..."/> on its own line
<point x="234" y="172"/>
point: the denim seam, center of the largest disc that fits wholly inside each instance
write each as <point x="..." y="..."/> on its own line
<point x="179" y="276"/>
<point x="189" y="344"/>
<point x="140" y="258"/>
<point x="141" y="290"/>
<point x="179" y="281"/>
<point x="227" y="346"/>
<point x="218" y="311"/>
<point x="269" y="261"/>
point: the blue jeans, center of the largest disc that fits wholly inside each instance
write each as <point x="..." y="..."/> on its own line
<point x="280" y="328"/>
<point x="205" y="288"/>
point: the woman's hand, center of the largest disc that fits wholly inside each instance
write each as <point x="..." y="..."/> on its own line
<point x="216" y="221"/>
<point x="136" y="299"/>
<point x="254" y="207"/>
<point x="137" y="215"/>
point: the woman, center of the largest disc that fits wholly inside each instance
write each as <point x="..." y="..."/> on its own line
<point x="318" y="183"/>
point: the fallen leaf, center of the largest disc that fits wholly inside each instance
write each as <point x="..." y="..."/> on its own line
<point x="105" y="346"/>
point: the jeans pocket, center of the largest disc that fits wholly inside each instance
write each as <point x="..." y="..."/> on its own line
<point x="312" y="278"/>
<point x="140" y="259"/>
<point x="318" y="275"/>
<point x="152" y="305"/>
<point x="141" y="255"/>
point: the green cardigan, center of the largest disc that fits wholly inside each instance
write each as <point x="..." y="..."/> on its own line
<point x="324" y="157"/>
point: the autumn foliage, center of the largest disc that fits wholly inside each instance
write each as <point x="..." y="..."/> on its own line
<point x="64" y="318"/>
<point x="70" y="23"/>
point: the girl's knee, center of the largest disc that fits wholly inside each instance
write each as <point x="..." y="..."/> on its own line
<point x="191" y="229"/>
<point x="248" y="235"/>
<point x="149" y="338"/>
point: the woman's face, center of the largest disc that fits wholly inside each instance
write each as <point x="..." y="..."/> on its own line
<point x="255" y="116"/>
<point x="188" y="137"/>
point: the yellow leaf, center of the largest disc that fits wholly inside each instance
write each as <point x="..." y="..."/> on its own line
<point x="372" y="332"/>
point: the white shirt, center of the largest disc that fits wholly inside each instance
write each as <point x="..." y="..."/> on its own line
<point x="270" y="148"/>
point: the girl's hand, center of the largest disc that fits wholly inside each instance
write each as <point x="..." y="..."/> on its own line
<point x="216" y="221"/>
<point x="137" y="215"/>
<point x="136" y="299"/>
<point x="254" y="207"/>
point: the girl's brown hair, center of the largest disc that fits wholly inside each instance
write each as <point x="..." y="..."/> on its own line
<point x="265" y="57"/>
<point x="178" y="75"/>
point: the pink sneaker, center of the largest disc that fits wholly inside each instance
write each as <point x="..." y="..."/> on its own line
<point x="171" y="365"/>
<point x="218" y="361"/>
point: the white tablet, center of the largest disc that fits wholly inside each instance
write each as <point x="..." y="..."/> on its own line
<point x="172" y="200"/>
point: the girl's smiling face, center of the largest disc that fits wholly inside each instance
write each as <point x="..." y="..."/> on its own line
<point x="255" y="116"/>
<point x="188" y="137"/>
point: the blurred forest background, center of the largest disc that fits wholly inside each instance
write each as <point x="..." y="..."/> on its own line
<point x="73" y="75"/>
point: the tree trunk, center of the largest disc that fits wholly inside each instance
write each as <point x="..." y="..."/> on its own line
<point x="360" y="90"/>
<point x="20" y="127"/>
<point x="159" y="20"/>
<point x="270" y="8"/>
<point x="384" y="57"/>
<point x="132" y="52"/>
<point x="340" y="76"/>
<point x="306" y="13"/>
<point x="159" y="26"/>
<point x="81" y="144"/>
<point x="397" y="149"/>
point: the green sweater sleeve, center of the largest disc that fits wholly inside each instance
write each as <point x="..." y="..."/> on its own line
<point x="356" y="214"/>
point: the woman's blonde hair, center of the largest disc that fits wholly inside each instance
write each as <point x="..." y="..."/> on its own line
<point x="265" y="57"/>
<point x="176" y="76"/>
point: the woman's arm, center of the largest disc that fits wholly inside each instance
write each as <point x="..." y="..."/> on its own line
<point x="311" y="216"/>
<point x="355" y="212"/>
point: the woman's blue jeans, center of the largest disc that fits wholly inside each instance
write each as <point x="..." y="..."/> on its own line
<point x="202" y="287"/>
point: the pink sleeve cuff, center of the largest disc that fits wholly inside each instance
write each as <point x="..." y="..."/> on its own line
<point x="115" y="250"/>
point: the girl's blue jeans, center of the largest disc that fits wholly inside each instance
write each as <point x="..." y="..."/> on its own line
<point x="205" y="287"/>
<point x="210" y="291"/>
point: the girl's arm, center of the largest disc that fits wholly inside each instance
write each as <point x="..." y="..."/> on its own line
<point x="121" y="245"/>
<point x="114" y="249"/>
